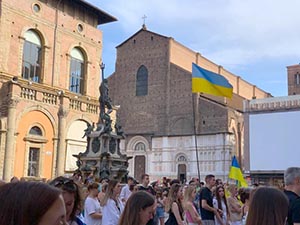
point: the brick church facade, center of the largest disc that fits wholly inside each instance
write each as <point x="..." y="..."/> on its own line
<point x="152" y="85"/>
<point x="50" y="56"/>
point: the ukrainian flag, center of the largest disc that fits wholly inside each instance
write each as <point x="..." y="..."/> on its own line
<point x="210" y="83"/>
<point x="236" y="173"/>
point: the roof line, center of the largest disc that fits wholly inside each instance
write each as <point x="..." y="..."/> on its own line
<point x="103" y="17"/>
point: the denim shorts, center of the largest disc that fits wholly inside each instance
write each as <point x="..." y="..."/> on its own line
<point x="160" y="212"/>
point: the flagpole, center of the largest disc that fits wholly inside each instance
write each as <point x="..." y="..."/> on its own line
<point x="195" y="135"/>
<point x="205" y="81"/>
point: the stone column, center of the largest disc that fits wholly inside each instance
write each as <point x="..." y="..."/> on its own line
<point x="61" y="151"/>
<point x="2" y="145"/>
<point x="10" y="139"/>
<point x="54" y="164"/>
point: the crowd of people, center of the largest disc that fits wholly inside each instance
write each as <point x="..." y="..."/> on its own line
<point x="68" y="201"/>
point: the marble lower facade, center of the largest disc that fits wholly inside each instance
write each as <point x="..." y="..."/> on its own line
<point x="175" y="157"/>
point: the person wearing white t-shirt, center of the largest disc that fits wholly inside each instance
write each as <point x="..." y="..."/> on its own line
<point x="92" y="208"/>
<point x="125" y="192"/>
<point x="112" y="206"/>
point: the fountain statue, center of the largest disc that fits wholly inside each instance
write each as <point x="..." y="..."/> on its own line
<point x="103" y="157"/>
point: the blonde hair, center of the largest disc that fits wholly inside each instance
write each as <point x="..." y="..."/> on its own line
<point x="109" y="191"/>
<point x="231" y="187"/>
<point x="188" y="192"/>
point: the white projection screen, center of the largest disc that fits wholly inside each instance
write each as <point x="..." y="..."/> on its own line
<point x="274" y="140"/>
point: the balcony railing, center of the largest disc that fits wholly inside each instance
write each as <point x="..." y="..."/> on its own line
<point x="53" y="96"/>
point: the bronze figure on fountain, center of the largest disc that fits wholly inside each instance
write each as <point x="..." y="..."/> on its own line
<point x="103" y="156"/>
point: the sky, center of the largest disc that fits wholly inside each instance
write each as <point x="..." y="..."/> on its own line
<point x="253" y="39"/>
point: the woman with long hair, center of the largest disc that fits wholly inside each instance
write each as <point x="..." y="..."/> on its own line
<point x="245" y="199"/>
<point x="191" y="213"/>
<point x="234" y="206"/>
<point x="268" y="206"/>
<point x="139" y="209"/>
<point x="102" y="192"/>
<point x="220" y="203"/>
<point x="174" y="206"/>
<point x="31" y="203"/>
<point x="160" y="211"/>
<point x="72" y="198"/>
<point x="112" y="205"/>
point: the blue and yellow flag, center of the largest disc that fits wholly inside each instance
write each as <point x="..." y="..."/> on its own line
<point x="210" y="83"/>
<point x="235" y="173"/>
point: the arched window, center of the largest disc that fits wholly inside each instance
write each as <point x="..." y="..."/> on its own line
<point x="36" y="131"/>
<point x="142" y="81"/>
<point x="32" y="57"/>
<point x="297" y="78"/>
<point x="34" y="151"/>
<point x="181" y="159"/>
<point x="140" y="147"/>
<point x="77" y="71"/>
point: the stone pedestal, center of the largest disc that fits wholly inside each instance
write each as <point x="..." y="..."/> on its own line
<point x="103" y="156"/>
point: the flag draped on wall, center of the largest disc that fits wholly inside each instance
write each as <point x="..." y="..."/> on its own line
<point x="210" y="83"/>
<point x="235" y="173"/>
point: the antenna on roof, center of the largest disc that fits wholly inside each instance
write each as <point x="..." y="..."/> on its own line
<point x="144" y="22"/>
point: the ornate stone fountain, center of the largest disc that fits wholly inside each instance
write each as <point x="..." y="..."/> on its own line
<point x="103" y="157"/>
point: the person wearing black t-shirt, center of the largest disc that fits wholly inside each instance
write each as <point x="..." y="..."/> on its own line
<point x="292" y="191"/>
<point x="148" y="188"/>
<point x="145" y="185"/>
<point x="206" y="201"/>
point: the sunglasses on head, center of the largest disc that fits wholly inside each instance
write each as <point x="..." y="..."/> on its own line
<point x="65" y="184"/>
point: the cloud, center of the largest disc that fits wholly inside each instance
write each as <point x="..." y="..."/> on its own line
<point x="235" y="34"/>
<point x="243" y="31"/>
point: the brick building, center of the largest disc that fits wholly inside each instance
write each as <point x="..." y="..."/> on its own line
<point x="293" y="78"/>
<point x="50" y="56"/>
<point x="152" y="85"/>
